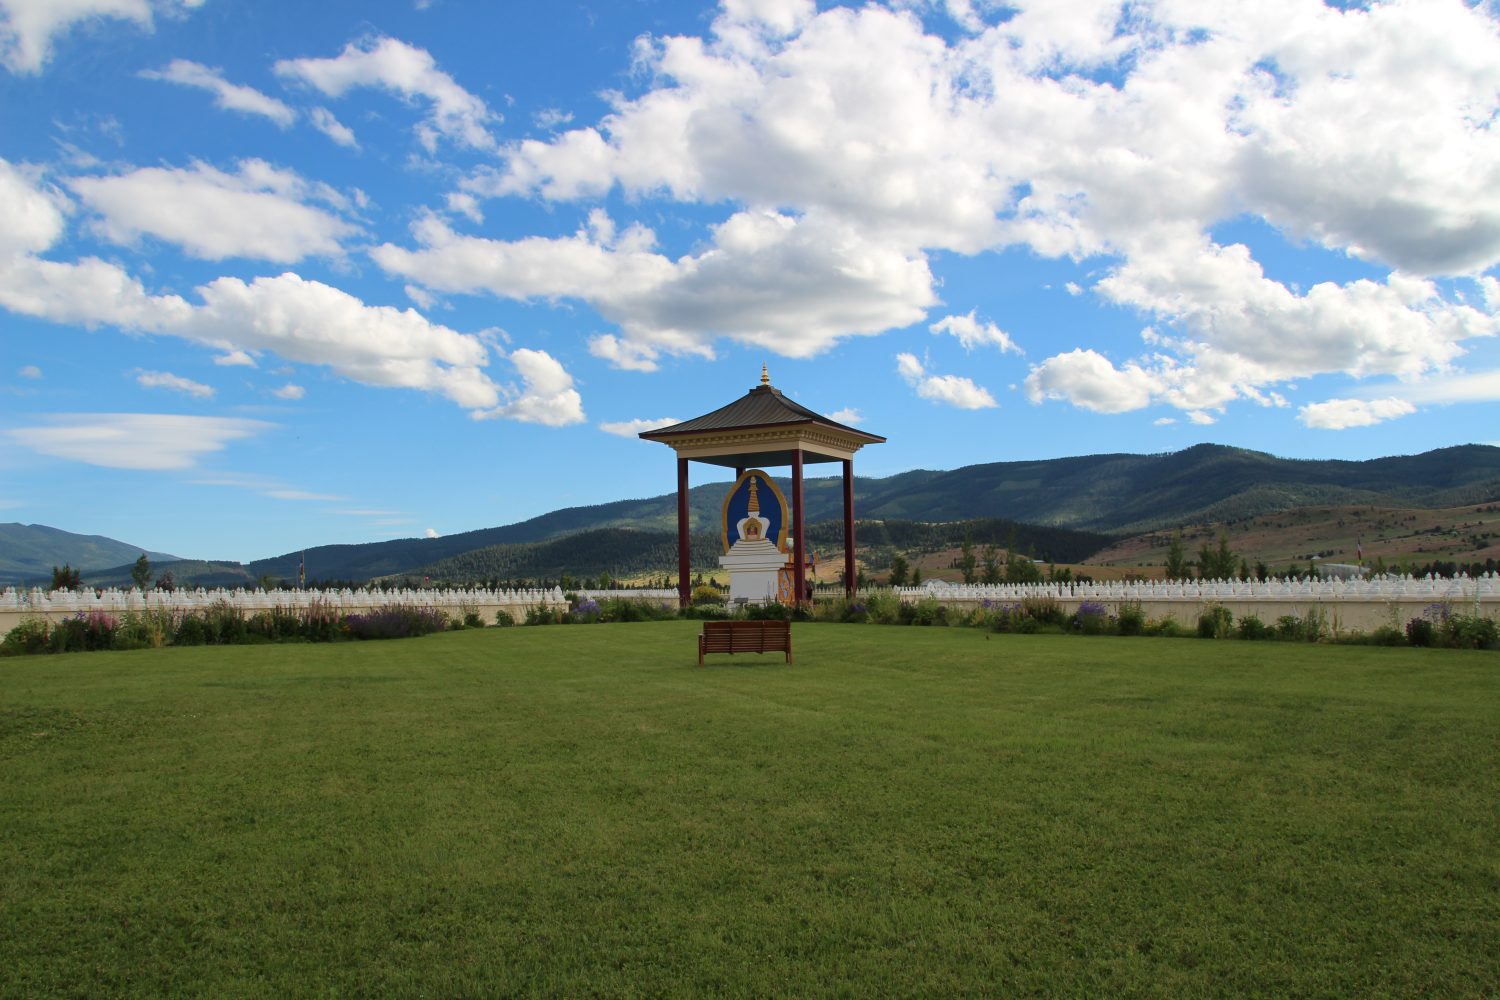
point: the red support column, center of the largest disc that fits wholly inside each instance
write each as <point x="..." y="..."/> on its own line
<point x="799" y="537"/>
<point x="849" y="573"/>
<point x="684" y="542"/>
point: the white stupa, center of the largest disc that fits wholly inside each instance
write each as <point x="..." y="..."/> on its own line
<point x="753" y="560"/>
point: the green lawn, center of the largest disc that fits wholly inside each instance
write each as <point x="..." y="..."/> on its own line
<point x="581" y="810"/>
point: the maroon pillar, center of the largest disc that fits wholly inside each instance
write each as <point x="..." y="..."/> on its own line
<point x="684" y="585"/>
<point x="799" y="537"/>
<point x="849" y="574"/>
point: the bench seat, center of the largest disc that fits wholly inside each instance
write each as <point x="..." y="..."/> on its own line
<point x="745" y="637"/>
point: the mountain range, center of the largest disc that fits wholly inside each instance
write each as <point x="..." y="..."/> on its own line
<point x="1112" y="495"/>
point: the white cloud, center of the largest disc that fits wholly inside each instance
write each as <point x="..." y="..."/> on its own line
<point x="289" y="391"/>
<point x="410" y="72"/>
<point x="1086" y="378"/>
<point x="971" y="333"/>
<point x="302" y="321"/>
<point x="260" y="212"/>
<point x="848" y="415"/>
<point x="1164" y="421"/>
<point x="1074" y="288"/>
<point x="551" y="118"/>
<point x="235" y="358"/>
<point x="1201" y="418"/>
<point x="302" y="495"/>
<point x="951" y="390"/>
<point x="632" y="428"/>
<point x="790" y="285"/>
<point x="33" y="213"/>
<point x="546" y="395"/>
<point x="29" y="28"/>
<point x="323" y="120"/>
<point x="1339" y="414"/>
<point x="229" y="96"/>
<point x="29" y="371"/>
<point x="1369" y="131"/>
<point x="431" y="533"/>
<point x="153" y="441"/>
<point x="1455" y="387"/>
<point x="166" y="380"/>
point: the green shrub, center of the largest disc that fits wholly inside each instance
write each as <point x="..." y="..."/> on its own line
<point x="771" y="611"/>
<point x="1420" y="632"/>
<point x="1168" y="627"/>
<point x="1215" y="622"/>
<point x="32" y="635"/>
<point x="1044" y="609"/>
<point x="191" y="631"/>
<point x="706" y="594"/>
<point x="541" y="615"/>
<point x="1131" y="620"/>
<point x="1388" y="635"/>
<point x="1468" y="632"/>
<point x="707" y="612"/>
<point x="505" y="619"/>
<point x="1252" y="628"/>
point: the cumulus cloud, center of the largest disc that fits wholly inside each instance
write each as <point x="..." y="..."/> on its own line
<point x="28" y="28"/>
<point x="166" y="380"/>
<point x="260" y="211"/>
<point x="235" y="357"/>
<point x="772" y="280"/>
<point x="431" y="533"/>
<point x="950" y="390"/>
<point x="632" y="428"/>
<point x="411" y="73"/>
<point x="971" y="333"/>
<point x="289" y="391"/>
<point x="151" y="441"/>
<point x="1088" y="379"/>
<point x="1092" y="128"/>
<point x="1339" y="414"/>
<point x="848" y="415"/>
<point x="545" y="396"/>
<point x="34" y="213"/>
<point x="229" y="96"/>
<point x="300" y="320"/>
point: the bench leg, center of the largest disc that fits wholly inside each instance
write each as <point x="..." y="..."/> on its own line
<point x="700" y="651"/>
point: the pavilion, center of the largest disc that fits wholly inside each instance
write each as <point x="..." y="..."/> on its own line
<point x="764" y="428"/>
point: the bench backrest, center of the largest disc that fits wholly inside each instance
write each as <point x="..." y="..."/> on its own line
<point x="746" y="637"/>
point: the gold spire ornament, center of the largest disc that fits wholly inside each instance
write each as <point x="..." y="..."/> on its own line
<point x="754" y="497"/>
<point x="765" y="376"/>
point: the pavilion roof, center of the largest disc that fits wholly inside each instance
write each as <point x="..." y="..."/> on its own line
<point x="764" y="407"/>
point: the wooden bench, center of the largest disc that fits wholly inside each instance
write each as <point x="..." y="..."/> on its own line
<point x="745" y="637"/>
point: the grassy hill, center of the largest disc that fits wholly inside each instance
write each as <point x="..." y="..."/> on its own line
<point x="29" y="551"/>
<point x="1117" y="495"/>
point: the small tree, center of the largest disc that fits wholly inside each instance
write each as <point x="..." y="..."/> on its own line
<point x="67" y="578"/>
<point x="1217" y="563"/>
<point x="141" y="572"/>
<point x="898" y="571"/>
<point x="916" y="577"/>
<point x="966" y="560"/>
<point x="1177" y="564"/>
<point x="990" y="561"/>
<point x="165" y="582"/>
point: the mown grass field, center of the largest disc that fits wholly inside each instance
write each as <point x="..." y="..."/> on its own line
<point x="581" y="810"/>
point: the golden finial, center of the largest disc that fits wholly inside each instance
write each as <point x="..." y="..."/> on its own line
<point x="754" y="497"/>
<point x="765" y="376"/>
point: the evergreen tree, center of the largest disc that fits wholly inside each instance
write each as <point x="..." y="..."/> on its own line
<point x="916" y="577"/>
<point x="1217" y="563"/>
<point x="141" y="572"/>
<point x="898" y="571"/>
<point x="66" y="578"/>
<point x="990" y="560"/>
<point x="966" y="561"/>
<point x="1177" y="565"/>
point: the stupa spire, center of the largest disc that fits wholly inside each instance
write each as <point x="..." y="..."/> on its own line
<point x="765" y="376"/>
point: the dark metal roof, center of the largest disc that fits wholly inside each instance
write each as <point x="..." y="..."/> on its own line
<point x="763" y="406"/>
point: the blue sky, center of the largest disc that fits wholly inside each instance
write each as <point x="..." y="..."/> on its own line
<point x="274" y="275"/>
